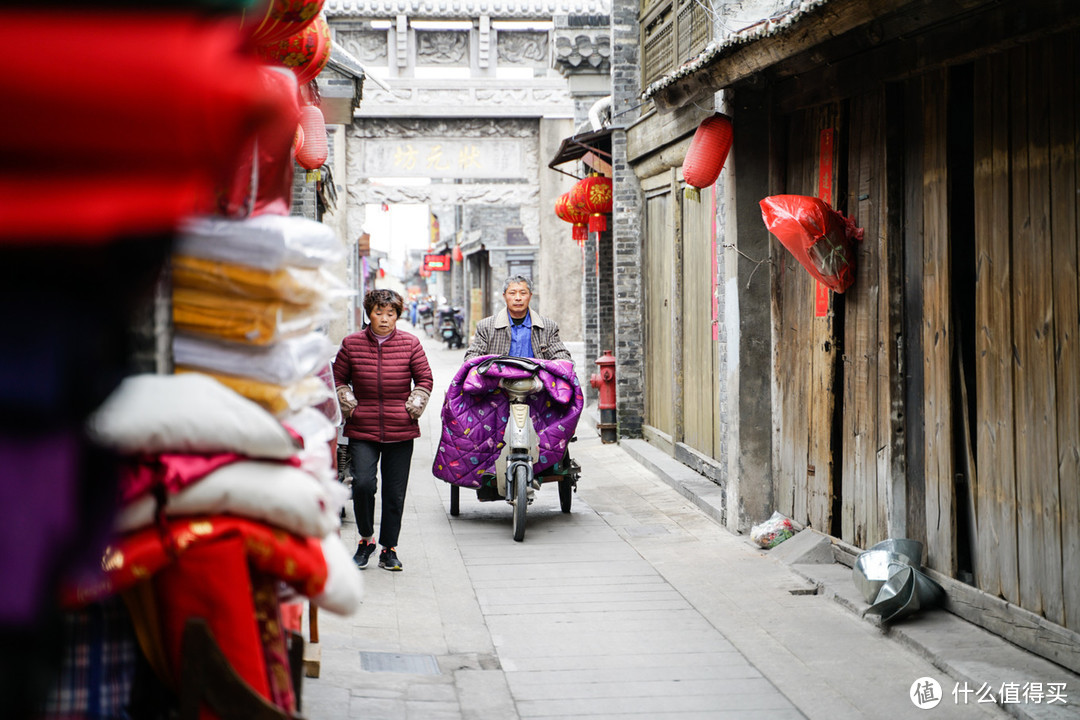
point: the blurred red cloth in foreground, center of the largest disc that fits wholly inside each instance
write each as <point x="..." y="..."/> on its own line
<point x="120" y="123"/>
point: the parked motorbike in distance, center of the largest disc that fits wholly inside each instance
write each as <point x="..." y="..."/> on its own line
<point x="451" y="327"/>
<point x="426" y="314"/>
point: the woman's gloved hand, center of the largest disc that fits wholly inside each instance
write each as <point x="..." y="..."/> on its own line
<point x="346" y="400"/>
<point x="418" y="400"/>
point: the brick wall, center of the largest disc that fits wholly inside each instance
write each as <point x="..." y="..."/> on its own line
<point x="626" y="235"/>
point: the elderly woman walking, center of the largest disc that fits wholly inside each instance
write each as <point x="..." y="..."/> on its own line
<point x="383" y="381"/>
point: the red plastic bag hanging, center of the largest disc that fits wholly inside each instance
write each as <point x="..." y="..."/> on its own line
<point x="820" y="238"/>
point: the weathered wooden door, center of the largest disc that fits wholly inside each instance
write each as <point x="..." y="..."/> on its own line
<point x="806" y="350"/>
<point x="700" y="400"/>
<point x="1027" y="428"/>
<point x="659" y="307"/>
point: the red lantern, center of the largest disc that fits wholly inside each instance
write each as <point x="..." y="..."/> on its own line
<point x="458" y="255"/>
<point x="593" y="195"/>
<point x="274" y="144"/>
<point x="312" y="153"/>
<point x="708" y="151"/>
<point x="305" y="53"/>
<point x="566" y="211"/>
<point x="276" y="20"/>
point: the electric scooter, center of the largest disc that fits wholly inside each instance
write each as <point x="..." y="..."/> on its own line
<point x="514" y="480"/>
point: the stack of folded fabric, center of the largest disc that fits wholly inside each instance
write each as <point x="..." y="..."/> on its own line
<point x="218" y="511"/>
<point x="249" y="297"/>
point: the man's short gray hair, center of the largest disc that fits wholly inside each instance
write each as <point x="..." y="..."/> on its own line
<point x="517" y="279"/>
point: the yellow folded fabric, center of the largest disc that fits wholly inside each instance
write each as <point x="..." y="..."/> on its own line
<point x="256" y="322"/>
<point x="279" y="400"/>
<point x="291" y="284"/>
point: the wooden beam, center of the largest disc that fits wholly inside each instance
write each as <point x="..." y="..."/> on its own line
<point x="738" y="63"/>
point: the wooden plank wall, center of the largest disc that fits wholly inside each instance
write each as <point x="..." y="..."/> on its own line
<point x="1064" y="83"/>
<point x="806" y="351"/>
<point x="825" y="348"/>
<point x="869" y="352"/>
<point x="699" y="388"/>
<point x="1036" y="426"/>
<point x="1027" y="186"/>
<point x="937" y="330"/>
<point x="995" y="451"/>
<point x="658" y="310"/>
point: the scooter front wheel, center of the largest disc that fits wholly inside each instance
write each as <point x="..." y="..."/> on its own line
<point x="455" y="500"/>
<point x="521" y="500"/>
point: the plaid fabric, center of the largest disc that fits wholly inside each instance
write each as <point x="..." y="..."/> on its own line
<point x="98" y="666"/>
<point x="493" y="338"/>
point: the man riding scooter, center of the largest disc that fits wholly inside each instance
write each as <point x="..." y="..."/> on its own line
<point x="518" y="331"/>
<point x="517" y="355"/>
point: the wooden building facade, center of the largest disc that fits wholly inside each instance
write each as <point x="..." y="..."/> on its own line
<point x="939" y="397"/>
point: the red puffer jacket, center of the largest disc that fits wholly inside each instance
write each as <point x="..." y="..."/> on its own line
<point x="382" y="377"/>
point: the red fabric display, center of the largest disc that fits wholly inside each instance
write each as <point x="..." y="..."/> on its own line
<point x="146" y="149"/>
<point x="140" y="555"/>
<point x="593" y="195"/>
<point x="212" y="582"/>
<point x="577" y="217"/>
<point x="305" y="53"/>
<point x="173" y="472"/>
<point x="820" y="238"/>
<point x="276" y="20"/>
<point x="312" y="152"/>
<point x="708" y="151"/>
<point x="268" y="616"/>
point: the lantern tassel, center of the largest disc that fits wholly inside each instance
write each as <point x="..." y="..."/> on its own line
<point x="581" y="232"/>
<point x="597" y="223"/>
<point x="692" y="193"/>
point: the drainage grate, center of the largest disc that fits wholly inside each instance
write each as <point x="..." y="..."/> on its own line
<point x="399" y="663"/>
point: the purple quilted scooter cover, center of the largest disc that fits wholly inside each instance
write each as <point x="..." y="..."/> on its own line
<point x="476" y="410"/>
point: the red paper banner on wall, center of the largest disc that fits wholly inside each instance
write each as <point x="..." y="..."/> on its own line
<point x="825" y="175"/>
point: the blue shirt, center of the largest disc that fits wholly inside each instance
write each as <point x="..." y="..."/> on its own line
<point x="521" y="337"/>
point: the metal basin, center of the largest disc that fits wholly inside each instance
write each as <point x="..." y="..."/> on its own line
<point x="911" y="549"/>
<point x="873" y="568"/>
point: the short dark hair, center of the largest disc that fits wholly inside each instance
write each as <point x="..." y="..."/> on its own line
<point x="383" y="298"/>
<point x="517" y="279"/>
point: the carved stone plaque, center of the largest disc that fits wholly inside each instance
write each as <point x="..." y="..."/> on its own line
<point x="442" y="47"/>
<point x="486" y="158"/>
<point x="523" y="48"/>
<point x="367" y="47"/>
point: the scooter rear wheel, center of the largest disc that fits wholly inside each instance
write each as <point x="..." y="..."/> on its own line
<point x="521" y="500"/>
<point x="566" y="494"/>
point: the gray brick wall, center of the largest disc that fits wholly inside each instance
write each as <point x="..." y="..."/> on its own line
<point x="591" y="312"/>
<point x="626" y="235"/>
<point x="605" y="294"/>
<point x="303" y="195"/>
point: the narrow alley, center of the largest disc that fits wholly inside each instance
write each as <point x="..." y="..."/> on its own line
<point x="634" y="604"/>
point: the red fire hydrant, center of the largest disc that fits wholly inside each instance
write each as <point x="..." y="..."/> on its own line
<point x="605" y="383"/>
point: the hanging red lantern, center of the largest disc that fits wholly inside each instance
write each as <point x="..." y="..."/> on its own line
<point x="275" y="144"/>
<point x="593" y="195"/>
<point x="564" y="210"/>
<point x="708" y="151"/>
<point x="458" y="255"/>
<point x="305" y="53"/>
<point x="312" y="153"/>
<point x="276" y="20"/>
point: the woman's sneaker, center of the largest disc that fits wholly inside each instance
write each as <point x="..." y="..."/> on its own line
<point x="363" y="554"/>
<point x="388" y="559"/>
